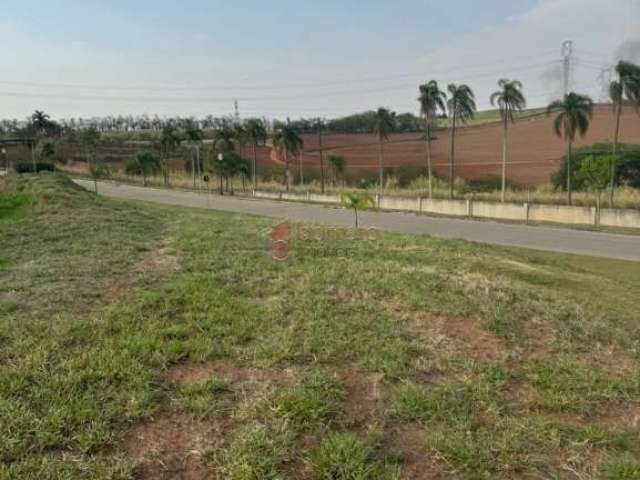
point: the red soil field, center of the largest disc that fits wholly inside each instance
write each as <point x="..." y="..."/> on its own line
<point x="534" y="150"/>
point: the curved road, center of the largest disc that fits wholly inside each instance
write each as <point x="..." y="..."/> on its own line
<point x="556" y="239"/>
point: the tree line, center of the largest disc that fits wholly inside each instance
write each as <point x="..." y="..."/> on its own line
<point x="571" y="118"/>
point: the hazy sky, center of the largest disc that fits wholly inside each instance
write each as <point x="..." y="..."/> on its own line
<point x="295" y="58"/>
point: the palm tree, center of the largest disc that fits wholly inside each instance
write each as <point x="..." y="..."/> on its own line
<point x="627" y="85"/>
<point x="256" y="134"/>
<point x="286" y="140"/>
<point x="224" y="144"/>
<point x="224" y="139"/>
<point x="194" y="137"/>
<point x="509" y="99"/>
<point x="40" y="121"/>
<point x="89" y="139"/>
<point x="320" y="124"/>
<point x="169" y="141"/>
<point x="357" y="201"/>
<point x="144" y="164"/>
<point x="432" y="100"/>
<point x="383" y="124"/>
<point x="41" y="125"/>
<point x="338" y="163"/>
<point x="240" y="135"/>
<point x="572" y="115"/>
<point x="462" y="106"/>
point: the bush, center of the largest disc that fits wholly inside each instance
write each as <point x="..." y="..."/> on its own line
<point x="627" y="167"/>
<point x="133" y="167"/>
<point x="28" y="167"/>
<point x="486" y="184"/>
<point x="100" y="171"/>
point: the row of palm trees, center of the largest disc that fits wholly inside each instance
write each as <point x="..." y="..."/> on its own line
<point x="572" y="114"/>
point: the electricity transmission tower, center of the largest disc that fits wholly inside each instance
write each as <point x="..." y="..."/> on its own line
<point x="567" y="52"/>
<point x="236" y="111"/>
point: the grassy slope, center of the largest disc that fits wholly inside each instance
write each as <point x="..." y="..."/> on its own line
<point x="151" y="342"/>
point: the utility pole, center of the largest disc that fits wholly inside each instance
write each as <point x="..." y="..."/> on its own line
<point x="567" y="51"/>
<point x="236" y="112"/>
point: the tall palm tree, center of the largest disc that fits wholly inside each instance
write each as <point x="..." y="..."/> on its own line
<point x="509" y="99"/>
<point x="572" y="115"/>
<point x="462" y="107"/>
<point x="240" y="135"/>
<point x="194" y="136"/>
<point x="339" y="164"/>
<point x="383" y="124"/>
<point x="224" y="139"/>
<point x="287" y="141"/>
<point x="256" y="134"/>
<point x="626" y="87"/>
<point x="40" y="121"/>
<point x="169" y="141"/>
<point x="320" y="125"/>
<point x="432" y="100"/>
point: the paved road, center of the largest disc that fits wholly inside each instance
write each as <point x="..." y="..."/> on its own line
<point x="625" y="247"/>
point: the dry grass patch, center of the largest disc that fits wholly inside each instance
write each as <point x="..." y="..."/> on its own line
<point x="173" y="447"/>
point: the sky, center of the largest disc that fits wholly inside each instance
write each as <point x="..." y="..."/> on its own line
<point x="297" y="58"/>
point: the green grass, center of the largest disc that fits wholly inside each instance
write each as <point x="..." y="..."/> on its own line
<point x="507" y="362"/>
<point x="312" y="403"/>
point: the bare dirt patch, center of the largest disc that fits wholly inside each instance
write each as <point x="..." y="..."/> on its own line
<point x="364" y="394"/>
<point x="619" y="417"/>
<point x="186" y="373"/>
<point x="417" y="464"/>
<point x="538" y="338"/>
<point x="159" y="260"/>
<point x="173" y="447"/>
<point x="475" y="341"/>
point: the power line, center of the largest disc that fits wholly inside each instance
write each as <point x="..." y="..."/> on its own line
<point x="262" y="98"/>
<point x="173" y="87"/>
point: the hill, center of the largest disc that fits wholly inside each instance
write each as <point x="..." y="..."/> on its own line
<point x="152" y="342"/>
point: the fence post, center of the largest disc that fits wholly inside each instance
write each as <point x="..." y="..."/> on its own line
<point x="308" y="196"/>
<point x="526" y="212"/>
<point x="420" y="204"/>
<point x="469" y="208"/>
<point x="377" y="200"/>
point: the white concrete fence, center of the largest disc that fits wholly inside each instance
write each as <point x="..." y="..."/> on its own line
<point x="607" y="217"/>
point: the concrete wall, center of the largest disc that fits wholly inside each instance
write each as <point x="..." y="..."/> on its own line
<point x="610" y="217"/>
<point x="326" y="198"/>
<point x="562" y="214"/>
<point x="507" y="211"/>
<point x="446" y="207"/>
<point x="399" y="203"/>
<point x="271" y="195"/>
<point x="501" y="211"/>
<point x="296" y="197"/>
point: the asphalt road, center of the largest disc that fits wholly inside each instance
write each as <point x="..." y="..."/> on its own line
<point x="556" y="239"/>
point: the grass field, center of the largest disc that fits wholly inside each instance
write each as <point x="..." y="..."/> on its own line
<point x="139" y="341"/>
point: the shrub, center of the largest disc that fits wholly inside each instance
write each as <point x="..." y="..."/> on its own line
<point x="627" y="165"/>
<point x="486" y="184"/>
<point x="100" y="171"/>
<point x="28" y="167"/>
